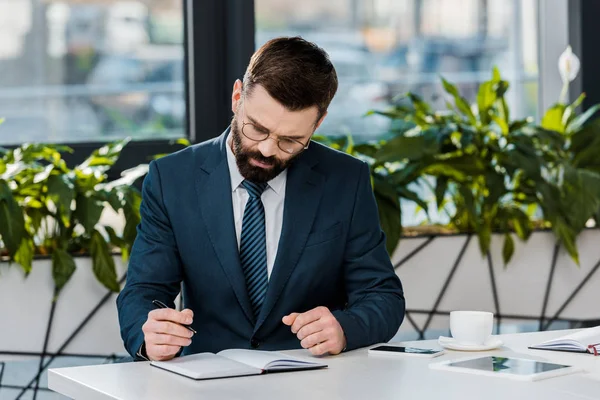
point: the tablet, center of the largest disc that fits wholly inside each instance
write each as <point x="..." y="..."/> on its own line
<point x="407" y="351"/>
<point x="506" y="367"/>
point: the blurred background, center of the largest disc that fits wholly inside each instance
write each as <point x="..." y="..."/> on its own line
<point x="93" y="71"/>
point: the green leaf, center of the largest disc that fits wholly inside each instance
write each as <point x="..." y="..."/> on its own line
<point x="508" y="249"/>
<point x="42" y="176"/>
<point x="62" y="192"/>
<point x="503" y="107"/>
<point x="484" y="233"/>
<point x="581" y="191"/>
<point x="552" y="139"/>
<point x="459" y="167"/>
<point x="410" y="195"/>
<point x="501" y="89"/>
<point x="418" y="103"/>
<point x="588" y="136"/>
<point x="103" y="158"/>
<point x="496" y="75"/>
<point x="63" y="267"/>
<point x="552" y="120"/>
<point x="469" y="201"/>
<point x="12" y="221"/>
<point x="460" y="102"/>
<point x="495" y="185"/>
<point x="104" y="265"/>
<point x="504" y="128"/>
<point x="407" y="174"/>
<point x="88" y="211"/>
<point x="366" y="149"/>
<point x="517" y="159"/>
<point x="184" y="142"/>
<point x="519" y="124"/>
<point x="24" y="256"/>
<point x="578" y="101"/>
<point x="115" y="240"/>
<point x="521" y="223"/>
<point x="409" y="147"/>
<point x="128" y="177"/>
<point x="567" y="237"/>
<point x="114" y="200"/>
<point x="35" y="219"/>
<point x="578" y="122"/>
<point x="440" y="190"/>
<point x="486" y="97"/>
<point x="394" y="112"/>
<point x="131" y="209"/>
<point x="390" y="217"/>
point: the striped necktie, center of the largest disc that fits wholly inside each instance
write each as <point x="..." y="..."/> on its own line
<point x="253" y="246"/>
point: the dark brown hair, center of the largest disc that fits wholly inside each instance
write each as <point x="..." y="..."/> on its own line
<point x="295" y="72"/>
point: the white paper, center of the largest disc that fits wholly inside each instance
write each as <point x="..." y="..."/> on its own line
<point x="206" y="366"/>
<point x="269" y="360"/>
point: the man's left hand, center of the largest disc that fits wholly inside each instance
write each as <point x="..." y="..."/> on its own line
<point x="318" y="330"/>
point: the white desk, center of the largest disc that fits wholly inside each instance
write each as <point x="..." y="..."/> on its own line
<point x="353" y="375"/>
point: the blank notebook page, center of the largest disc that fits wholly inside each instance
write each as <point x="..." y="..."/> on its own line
<point x="206" y="366"/>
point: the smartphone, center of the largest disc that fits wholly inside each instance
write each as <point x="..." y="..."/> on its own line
<point x="409" y="351"/>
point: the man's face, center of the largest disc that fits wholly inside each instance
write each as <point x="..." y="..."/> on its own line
<point x="261" y="161"/>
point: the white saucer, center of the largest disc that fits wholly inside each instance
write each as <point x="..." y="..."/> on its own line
<point x="451" y="344"/>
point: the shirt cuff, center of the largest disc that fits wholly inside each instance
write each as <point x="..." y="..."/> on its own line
<point x="141" y="353"/>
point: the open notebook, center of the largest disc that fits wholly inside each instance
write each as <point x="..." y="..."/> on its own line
<point x="234" y="362"/>
<point x="584" y="341"/>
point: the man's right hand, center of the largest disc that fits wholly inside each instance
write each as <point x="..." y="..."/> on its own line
<point x="164" y="334"/>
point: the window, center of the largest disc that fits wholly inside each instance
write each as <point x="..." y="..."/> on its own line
<point x="382" y="48"/>
<point x="75" y="71"/>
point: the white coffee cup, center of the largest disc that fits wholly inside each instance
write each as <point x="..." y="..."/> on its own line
<point x="471" y="327"/>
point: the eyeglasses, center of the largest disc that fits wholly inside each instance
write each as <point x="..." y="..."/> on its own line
<point x="287" y="145"/>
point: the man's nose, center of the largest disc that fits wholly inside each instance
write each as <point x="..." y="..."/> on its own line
<point x="268" y="147"/>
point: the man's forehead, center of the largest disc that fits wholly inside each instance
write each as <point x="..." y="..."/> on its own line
<point x="271" y="114"/>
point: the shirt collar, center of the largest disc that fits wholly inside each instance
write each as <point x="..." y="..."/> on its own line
<point x="277" y="184"/>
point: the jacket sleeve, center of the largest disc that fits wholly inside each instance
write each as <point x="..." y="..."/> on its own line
<point x="154" y="270"/>
<point x="375" y="307"/>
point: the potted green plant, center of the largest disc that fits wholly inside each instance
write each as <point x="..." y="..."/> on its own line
<point x="495" y="177"/>
<point x="52" y="225"/>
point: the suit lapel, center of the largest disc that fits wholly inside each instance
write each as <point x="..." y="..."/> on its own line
<point x="304" y="188"/>
<point x="214" y="192"/>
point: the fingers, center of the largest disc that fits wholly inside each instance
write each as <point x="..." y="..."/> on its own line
<point x="308" y="317"/>
<point x="188" y="312"/>
<point x="162" y="339"/>
<point x="309" y="329"/>
<point x="164" y="333"/>
<point x="168" y="328"/>
<point x="318" y="330"/>
<point x="321" y="348"/>
<point x="169" y="314"/>
<point x="161" y="352"/>
<point x="289" y="319"/>
<point x="315" y="339"/>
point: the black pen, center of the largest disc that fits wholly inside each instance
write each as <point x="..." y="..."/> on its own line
<point x="160" y="304"/>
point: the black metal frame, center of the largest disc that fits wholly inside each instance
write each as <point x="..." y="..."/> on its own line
<point x="544" y="322"/>
<point x="44" y="364"/>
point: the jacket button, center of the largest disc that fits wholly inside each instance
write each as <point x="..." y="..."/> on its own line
<point x="254" y="343"/>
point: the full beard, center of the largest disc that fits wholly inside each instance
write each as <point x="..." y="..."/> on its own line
<point x="242" y="158"/>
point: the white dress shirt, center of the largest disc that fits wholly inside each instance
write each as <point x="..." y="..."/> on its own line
<point x="273" y="199"/>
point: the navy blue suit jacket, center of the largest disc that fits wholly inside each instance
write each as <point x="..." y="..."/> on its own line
<point x="331" y="253"/>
